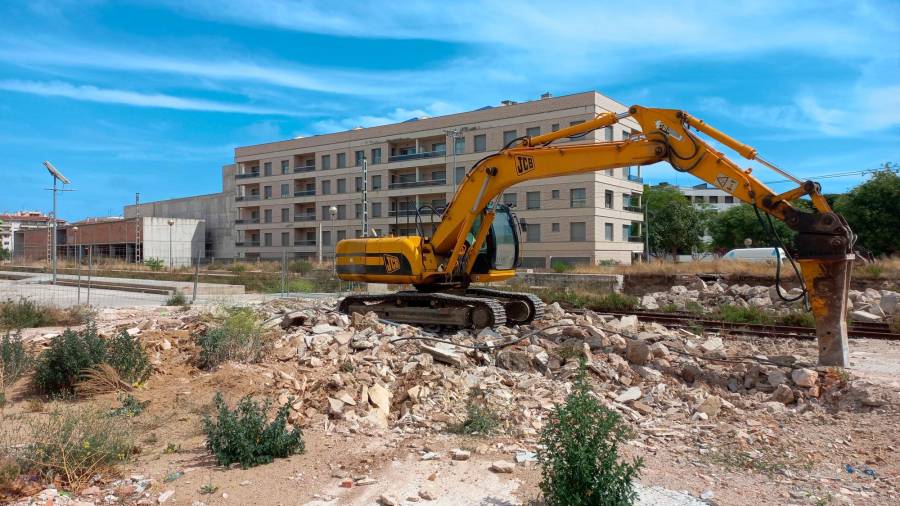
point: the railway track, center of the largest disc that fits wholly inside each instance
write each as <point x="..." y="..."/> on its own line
<point x="857" y="330"/>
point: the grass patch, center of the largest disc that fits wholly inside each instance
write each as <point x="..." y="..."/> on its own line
<point x="239" y="337"/>
<point x="243" y="436"/>
<point x="130" y="407"/>
<point x="480" y="419"/>
<point x="154" y="264"/>
<point x="177" y="299"/>
<point x="579" y="453"/>
<point x="797" y="319"/>
<point x="561" y="267"/>
<point x="769" y="460"/>
<point x="26" y="313"/>
<point x="612" y="301"/>
<point x="59" y="368"/>
<point x="737" y="314"/>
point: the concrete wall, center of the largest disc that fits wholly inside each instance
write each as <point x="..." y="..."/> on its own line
<point x="187" y="240"/>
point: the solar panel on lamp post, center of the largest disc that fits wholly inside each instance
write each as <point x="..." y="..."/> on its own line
<point x="57" y="175"/>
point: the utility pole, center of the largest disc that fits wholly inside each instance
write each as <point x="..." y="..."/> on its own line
<point x="56" y="176"/>
<point x="646" y="229"/>
<point x="171" y="265"/>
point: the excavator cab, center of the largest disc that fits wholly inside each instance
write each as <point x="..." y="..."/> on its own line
<point x="500" y="251"/>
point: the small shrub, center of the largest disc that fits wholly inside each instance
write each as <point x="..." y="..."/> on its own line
<point x="798" y="319"/>
<point x="243" y="436"/>
<point x="579" y="453"/>
<point x="300" y="266"/>
<point x="70" y="354"/>
<point x="239" y="337"/>
<point x="480" y="419"/>
<point x="22" y="314"/>
<point x="873" y="271"/>
<point x="14" y="361"/>
<point x="737" y="314"/>
<point x="100" y="379"/>
<point x="75" y="445"/>
<point x="177" y="299"/>
<point x="692" y="306"/>
<point x="615" y="301"/>
<point x="154" y="264"/>
<point x="561" y="267"/>
<point x="237" y="268"/>
<point x="130" y="407"/>
<point x="208" y="489"/>
<point x="670" y="307"/>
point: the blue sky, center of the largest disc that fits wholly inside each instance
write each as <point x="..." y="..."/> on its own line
<point x="131" y="96"/>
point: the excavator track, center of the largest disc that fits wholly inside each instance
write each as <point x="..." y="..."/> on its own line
<point x="419" y="308"/>
<point x="521" y="308"/>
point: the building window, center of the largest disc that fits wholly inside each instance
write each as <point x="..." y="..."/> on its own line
<point x="285" y="238"/>
<point x="285" y="166"/>
<point x="554" y="194"/>
<point x="267" y="169"/>
<point x="533" y="131"/>
<point x="341" y="160"/>
<point x="376" y="183"/>
<point x="459" y="174"/>
<point x="342" y="212"/>
<point x="608" y="199"/>
<point x="326" y="237"/>
<point x="698" y="199"/>
<point x="376" y="209"/>
<point x="326" y="162"/>
<point x="439" y="147"/>
<point x="376" y="155"/>
<point x="342" y="185"/>
<point x="326" y="187"/>
<point x="608" y="134"/>
<point x="626" y="200"/>
<point x="267" y="239"/>
<point x="608" y="231"/>
<point x="285" y="214"/>
<point x="341" y="235"/>
<point x="508" y="136"/>
<point x="625" y="134"/>
<point x="326" y="213"/>
<point x="357" y="210"/>
<point x="533" y="200"/>
<point x="357" y="233"/>
<point x="480" y="143"/>
<point x="267" y="192"/>
<point x="626" y="232"/>
<point x="459" y="145"/>
<point x="440" y="176"/>
<point x="729" y="199"/>
<point x="358" y="157"/>
<point x="713" y="199"/>
<point x="358" y="183"/>
<point x="554" y="127"/>
<point x="510" y="199"/>
<point x="286" y="190"/>
<point x="577" y="231"/>
<point x="577" y="197"/>
<point x="554" y="227"/>
<point x="533" y="232"/>
<point x="267" y="216"/>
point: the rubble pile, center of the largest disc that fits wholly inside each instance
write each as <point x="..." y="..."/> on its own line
<point x="869" y="305"/>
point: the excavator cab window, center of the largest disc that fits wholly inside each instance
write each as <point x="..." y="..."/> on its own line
<point x="500" y="250"/>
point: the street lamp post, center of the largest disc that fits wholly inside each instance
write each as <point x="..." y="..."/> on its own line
<point x="333" y="212"/>
<point x="78" y="269"/>
<point x="171" y="223"/>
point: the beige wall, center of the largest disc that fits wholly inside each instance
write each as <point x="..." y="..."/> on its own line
<point x="491" y="123"/>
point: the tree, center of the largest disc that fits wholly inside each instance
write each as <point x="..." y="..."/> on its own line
<point x="729" y="228"/>
<point x="5" y="254"/>
<point x="676" y="226"/>
<point x="873" y="211"/>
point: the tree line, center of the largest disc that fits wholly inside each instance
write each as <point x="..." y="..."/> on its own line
<point x="677" y="226"/>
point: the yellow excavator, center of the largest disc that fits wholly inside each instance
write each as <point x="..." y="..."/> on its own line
<point x="477" y="239"/>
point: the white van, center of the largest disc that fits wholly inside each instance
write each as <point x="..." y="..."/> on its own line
<point x="755" y="254"/>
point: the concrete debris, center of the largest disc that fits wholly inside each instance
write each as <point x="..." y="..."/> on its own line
<point x="503" y="467"/>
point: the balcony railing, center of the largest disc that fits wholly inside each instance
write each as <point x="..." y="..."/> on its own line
<point x="304" y="193"/>
<point x="417" y="156"/>
<point x="246" y="175"/>
<point x="577" y="202"/>
<point x="305" y="242"/>
<point x="634" y="209"/>
<point x="246" y="221"/>
<point x="635" y="238"/>
<point x="246" y="198"/>
<point x="305" y="217"/>
<point x="636" y="179"/>
<point x="304" y="168"/>
<point x="402" y="212"/>
<point x="247" y="244"/>
<point x="417" y="184"/>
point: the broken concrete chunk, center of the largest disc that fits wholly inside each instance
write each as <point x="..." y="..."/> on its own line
<point x="782" y="394"/>
<point x="712" y="344"/>
<point x="630" y="394"/>
<point x="804" y="377"/>
<point x="864" y="316"/>
<point x="710" y="406"/>
<point x="637" y="352"/>
<point x="444" y="354"/>
<point x="503" y="467"/>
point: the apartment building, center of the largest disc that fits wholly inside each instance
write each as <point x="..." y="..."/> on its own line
<point x="284" y="191"/>
<point x="709" y="197"/>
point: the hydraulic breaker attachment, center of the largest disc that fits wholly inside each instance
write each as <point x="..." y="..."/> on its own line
<point x="827" y="284"/>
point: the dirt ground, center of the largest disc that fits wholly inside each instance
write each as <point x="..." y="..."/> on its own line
<point x="800" y="459"/>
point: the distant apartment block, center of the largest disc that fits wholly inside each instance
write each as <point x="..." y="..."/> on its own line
<point x="709" y="197"/>
<point x="12" y="223"/>
<point x="284" y="190"/>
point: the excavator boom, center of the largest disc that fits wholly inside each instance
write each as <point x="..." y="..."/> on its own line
<point x="476" y="239"/>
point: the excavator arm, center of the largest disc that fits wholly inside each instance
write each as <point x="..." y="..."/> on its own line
<point x="824" y="241"/>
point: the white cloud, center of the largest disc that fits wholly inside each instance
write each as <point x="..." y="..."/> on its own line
<point x="398" y="115"/>
<point x="111" y="96"/>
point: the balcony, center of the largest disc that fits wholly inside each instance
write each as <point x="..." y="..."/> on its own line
<point x="417" y="184"/>
<point x="246" y="221"/>
<point x="635" y="238"/>
<point x="304" y="193"/>
<point x="304" y="168"/>
<point x="246" y="198"/>
<point x="418" y="156"/>
<point x="305" y="242"/>
<point x="634" y="209"/>
<point x="247" y="244"/>
<point x="305" y="217"/>
<point x="402" y="212"/>
<point x="246" y="175"/>
<point x="636" y="179"/>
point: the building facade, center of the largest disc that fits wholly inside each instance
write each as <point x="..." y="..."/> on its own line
<point x="284" y="191"/>
<point x="709" y="196"/>
<point x="14" y="222"/>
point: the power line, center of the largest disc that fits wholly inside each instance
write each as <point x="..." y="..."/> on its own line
<point x="893" y="169"/>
